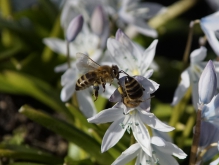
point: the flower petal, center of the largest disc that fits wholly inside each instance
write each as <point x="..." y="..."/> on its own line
<point x="151" y="120"/>
<point x="168" y="148"/>
<point x="68" y="76"/>
<point x="216" y="162"/>
<point x="163" y="135"/>
<point x="115" y="97"/>
<point x="182" y="87"/>
<point x="141" y="134"/>
<point x="122" y="55"/>
<point x="113" y="134"/>
<point x="148" y="73"/>
<point x="158" y="141"/>
<point x="209" y="134"/>
<point x="145" y="105"/>
<point x="107" y="115"/>
<point x="164" y="159"/>
<point x="149" y="85"/>
<point x="144" y="28"/>
<point x="85" y="103"/>
<point x="68" y="90"/>
<point x="128" y="155"/>
<point x="210" y="25"/>
<point x="148" y="56"/>
<point x="211" y="110"/>
<point x="198" y="55"/>
<point x="57" y="45"/>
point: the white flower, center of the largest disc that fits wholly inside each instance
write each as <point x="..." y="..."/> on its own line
<point x="136" y="13"/>
<point x="129" y="56"/>
<point x="191" y="75"/>
<point x="135" y="120"/>
<point x="133" y="13"/>
<point x="161" y="154"/>
<point x="86" y="42"/>
<point x="210" y="26"/>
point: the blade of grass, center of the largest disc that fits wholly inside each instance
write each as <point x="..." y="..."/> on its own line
<point x="69" y="132"/>
<point x="29" y="156"/>
<point x="18" y="83"/>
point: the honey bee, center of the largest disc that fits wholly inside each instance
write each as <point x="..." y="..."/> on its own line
<point x="132" y="92"/>
<point x="95" y="74"/>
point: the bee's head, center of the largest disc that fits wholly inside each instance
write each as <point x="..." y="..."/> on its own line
<point x="115" y="71"/>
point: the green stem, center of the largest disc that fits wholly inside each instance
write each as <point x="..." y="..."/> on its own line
<point x="196" y="138"/>
<point x="171" y="12"/>
<point x="56" y="32"/>
<point x="5" y="8"/>
<point x="178" y="110"/>
<point x="188" y="128"/>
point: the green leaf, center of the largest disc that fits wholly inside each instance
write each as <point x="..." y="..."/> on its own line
<point x="30" y="156"/>
<point x="11" y="51"/>
<point x="27" y="34"/>
<point x="70" y="161"/>
<point x="69" y="132"/>
<point x="77" y="113"/>
<point x="18" y="83"/>
<point x="100" y="103"/>
<point x="28" y="163"/>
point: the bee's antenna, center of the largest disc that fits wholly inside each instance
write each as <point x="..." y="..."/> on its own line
<point x="122" y="71"/>
<point x="149" y="98"/>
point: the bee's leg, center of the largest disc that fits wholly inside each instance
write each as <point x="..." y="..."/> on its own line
<point x="96" y="89"/>
<point x="111" y="82"/>
<point x="103" y="84"/>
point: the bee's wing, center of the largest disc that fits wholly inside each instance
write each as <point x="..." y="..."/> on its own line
<point x="85" y="63"/>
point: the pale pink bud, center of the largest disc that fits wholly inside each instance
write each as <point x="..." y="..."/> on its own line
<point x="74" y="28"/>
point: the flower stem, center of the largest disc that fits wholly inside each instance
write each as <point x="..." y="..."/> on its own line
<point x="189" y="42"/>
<point x="196" y="138"/>
<point x="171" y="12"/>
<point x="178" y="110"/>
<point x="203" y="152"/>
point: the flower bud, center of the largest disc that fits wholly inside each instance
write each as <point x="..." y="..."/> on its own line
<point x="98" y="20"/>
<point x="123" y="39"/>
<point x="207" y="84"/>
<point x="74" y="28"/>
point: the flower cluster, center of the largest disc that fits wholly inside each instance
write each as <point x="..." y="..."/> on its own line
<point x="86" y="29"/>
<point x="209" y="106"/>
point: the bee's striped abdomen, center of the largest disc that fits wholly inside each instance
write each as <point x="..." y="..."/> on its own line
<point x="133" y="88"/>
<point x="85" y="81"/>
